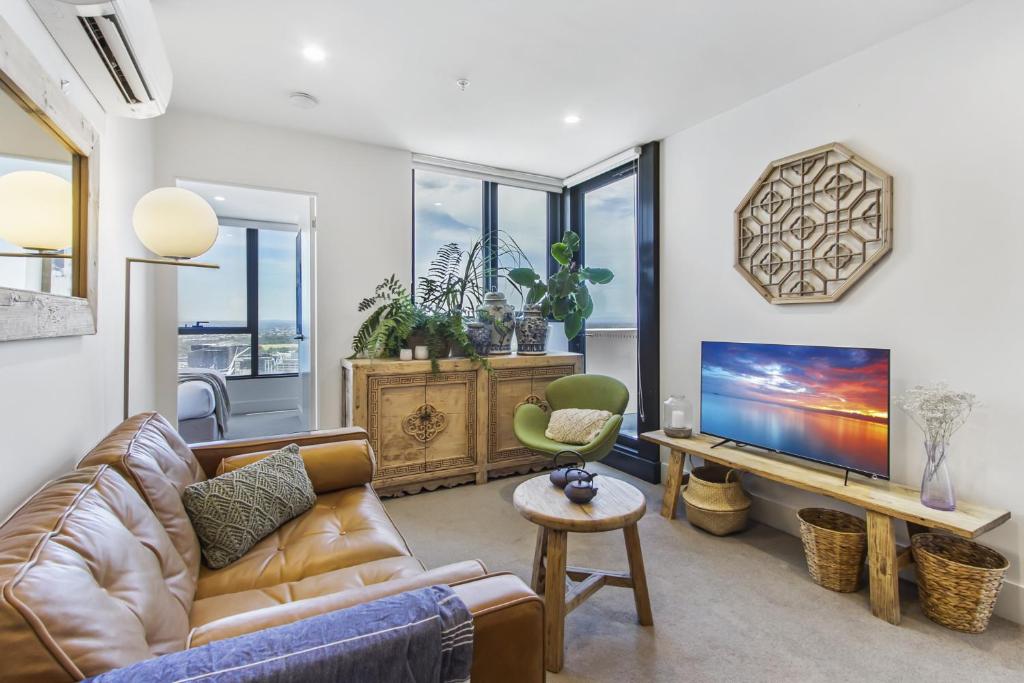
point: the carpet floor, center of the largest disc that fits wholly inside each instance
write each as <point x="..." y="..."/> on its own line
<point x="740" y="608"/>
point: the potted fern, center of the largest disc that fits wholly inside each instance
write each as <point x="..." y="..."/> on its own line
<point x="390" y="322"/>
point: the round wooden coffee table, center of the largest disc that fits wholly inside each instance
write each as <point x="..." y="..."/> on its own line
<point x="617" y="505"/>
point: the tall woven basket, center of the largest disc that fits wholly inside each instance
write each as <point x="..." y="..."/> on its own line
<point x="835" y="545"/>
<point x="958" y="580"/>
<point x="715" y="500"/>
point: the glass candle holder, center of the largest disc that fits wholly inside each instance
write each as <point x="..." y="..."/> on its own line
<point x="677" y="417"/>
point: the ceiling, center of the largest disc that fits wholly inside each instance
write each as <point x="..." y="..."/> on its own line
<point x="253" y="204"/>
<point x="633" y="71"/>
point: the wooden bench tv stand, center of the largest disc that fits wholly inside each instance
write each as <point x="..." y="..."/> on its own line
<point x="883" y="501"/>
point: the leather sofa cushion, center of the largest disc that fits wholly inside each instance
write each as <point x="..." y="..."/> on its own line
<point x="344" y="528"/>
<point x="330" y="466"/>
<point x="149" y="453"/>
<point x="286" y="613"/>
<point x="89" y="581"/>
<point x="357" y="577"/>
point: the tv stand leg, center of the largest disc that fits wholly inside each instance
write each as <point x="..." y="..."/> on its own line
<point x="721" y="443"/>
<point x="883" y="567"/>
<point x="673" y="486"/>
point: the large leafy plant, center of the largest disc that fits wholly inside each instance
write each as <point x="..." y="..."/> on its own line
<point x="565" y="295"/>
<point x="391" y="321"/>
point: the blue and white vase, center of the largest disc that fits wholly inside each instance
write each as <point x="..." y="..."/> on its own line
<point x="531" y="332"/>
<point x="499" y="317"/>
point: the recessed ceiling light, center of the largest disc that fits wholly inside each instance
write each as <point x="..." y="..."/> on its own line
<point x="438" y="203"/>
<point x="571" y="119"/>
<point x="314" y="53"/>
<point x="303" y="100"/>
<point x="218" y="198"/>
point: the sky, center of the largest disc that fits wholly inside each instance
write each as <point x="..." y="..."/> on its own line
<point x="846" y="380"/>
<point x="276" y="279"/>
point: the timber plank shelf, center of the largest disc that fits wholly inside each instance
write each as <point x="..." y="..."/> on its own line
<point x="883" y="501"/>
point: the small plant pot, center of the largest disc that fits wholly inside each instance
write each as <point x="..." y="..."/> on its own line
<point x="958" y="580"/>
<point x="835" y="545"/>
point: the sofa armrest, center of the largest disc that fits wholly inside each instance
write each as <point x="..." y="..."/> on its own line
<point x="211" y="453"/>
<point x="508" y="628"/>
<point x="268" y="617"/>
<point x="330" y="466"/>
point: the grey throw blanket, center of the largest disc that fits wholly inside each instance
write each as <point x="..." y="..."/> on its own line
<point x="420" y="636"/>
<point x="217" y="382"/>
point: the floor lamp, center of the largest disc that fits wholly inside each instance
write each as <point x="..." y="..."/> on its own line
<point x="35" y="214"/>
<point x="177" y="225"/>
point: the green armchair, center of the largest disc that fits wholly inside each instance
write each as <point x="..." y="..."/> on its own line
<point x="596" y="392"/>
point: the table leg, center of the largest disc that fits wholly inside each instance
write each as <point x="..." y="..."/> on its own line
<point x="539" y="553"/>
<point x="883" y="567"/>
<point x="672" y="486"/>
<point x="554" y="601"/>
<point x="637" y="575"/>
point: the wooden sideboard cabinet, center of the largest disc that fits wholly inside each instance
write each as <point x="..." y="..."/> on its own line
<point x="450" y="427"/>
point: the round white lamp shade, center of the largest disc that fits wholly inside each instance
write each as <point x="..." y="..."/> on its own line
<point x="35" y="210"/>
<point x="175" y="223"/>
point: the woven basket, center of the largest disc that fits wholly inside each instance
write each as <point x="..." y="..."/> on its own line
<point x="958" y="580"/>
<point x="835" y="544"/>
<point x="715" y="500"/>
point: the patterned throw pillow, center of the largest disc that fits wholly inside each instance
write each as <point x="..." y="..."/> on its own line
<point x="232" y="512"/>
<point x="576" y="426"/>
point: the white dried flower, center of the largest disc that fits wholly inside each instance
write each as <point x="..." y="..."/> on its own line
<point x="938" y="410"/>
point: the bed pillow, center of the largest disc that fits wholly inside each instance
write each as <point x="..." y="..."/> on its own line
<point x="576" y="426"/>
<point x="234" y="511"/>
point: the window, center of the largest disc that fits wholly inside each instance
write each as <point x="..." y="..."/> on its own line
<point x="448" y="209"/>
<point x="250" y="303"/>
<point x="523" y="219"/>
<point x="451" y="208"/>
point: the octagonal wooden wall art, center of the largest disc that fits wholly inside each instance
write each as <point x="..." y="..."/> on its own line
<point x="813" y="224"/>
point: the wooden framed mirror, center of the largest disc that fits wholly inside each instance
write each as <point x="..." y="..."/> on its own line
<point x="49" y="174"/>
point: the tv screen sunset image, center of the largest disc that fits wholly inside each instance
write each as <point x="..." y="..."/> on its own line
<point x="824" y="403"/>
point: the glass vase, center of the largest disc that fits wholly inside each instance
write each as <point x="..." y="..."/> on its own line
<point x="936" y="486"/>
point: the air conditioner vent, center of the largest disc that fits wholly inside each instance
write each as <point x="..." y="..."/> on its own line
<point x="116" y="48"/>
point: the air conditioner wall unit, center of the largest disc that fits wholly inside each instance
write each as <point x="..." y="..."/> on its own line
<point x="115" y="46"/>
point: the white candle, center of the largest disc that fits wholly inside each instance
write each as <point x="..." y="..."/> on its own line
<point x="678" y="419"/>
<point x="405" y="354"/>
<point x="421" y="353"/>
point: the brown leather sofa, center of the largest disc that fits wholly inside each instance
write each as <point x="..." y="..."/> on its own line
<point x="101" y="567"/>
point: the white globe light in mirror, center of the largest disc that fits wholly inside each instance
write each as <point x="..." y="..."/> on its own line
<point x="35" y="210"/>
<point x="175" y="223"/>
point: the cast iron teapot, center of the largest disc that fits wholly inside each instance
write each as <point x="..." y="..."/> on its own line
<point x="580" y="488"/>
<point x="560" y="475"/>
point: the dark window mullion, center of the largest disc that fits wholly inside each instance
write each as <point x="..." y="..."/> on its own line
<point x="252" y="282"/>
<point x="490" y="235"/>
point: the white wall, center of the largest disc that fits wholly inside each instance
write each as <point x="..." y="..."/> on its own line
<point x="60" y="396"/>
<point x="364" y="210"/>
<point x="939" y="107"/>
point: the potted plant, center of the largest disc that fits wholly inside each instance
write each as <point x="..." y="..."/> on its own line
<point x="446" y="295"/>
<point x="564" y="296"/>
<point x="390" y="322"/>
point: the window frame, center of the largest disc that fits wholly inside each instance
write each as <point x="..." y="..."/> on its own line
<point x="252" y="275"/>
<point x="489" y="227"/>
<point x="630" y="454"/>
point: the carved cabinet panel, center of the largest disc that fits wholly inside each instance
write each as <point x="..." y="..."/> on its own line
<point x="507" y="389"/>
<point x="421" y="422"/>
<point x="454" y="426"/>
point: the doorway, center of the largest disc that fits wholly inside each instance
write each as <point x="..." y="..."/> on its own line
<point x="246" y="331"/>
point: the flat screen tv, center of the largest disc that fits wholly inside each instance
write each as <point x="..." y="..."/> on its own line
<point x="823" y="403"/>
